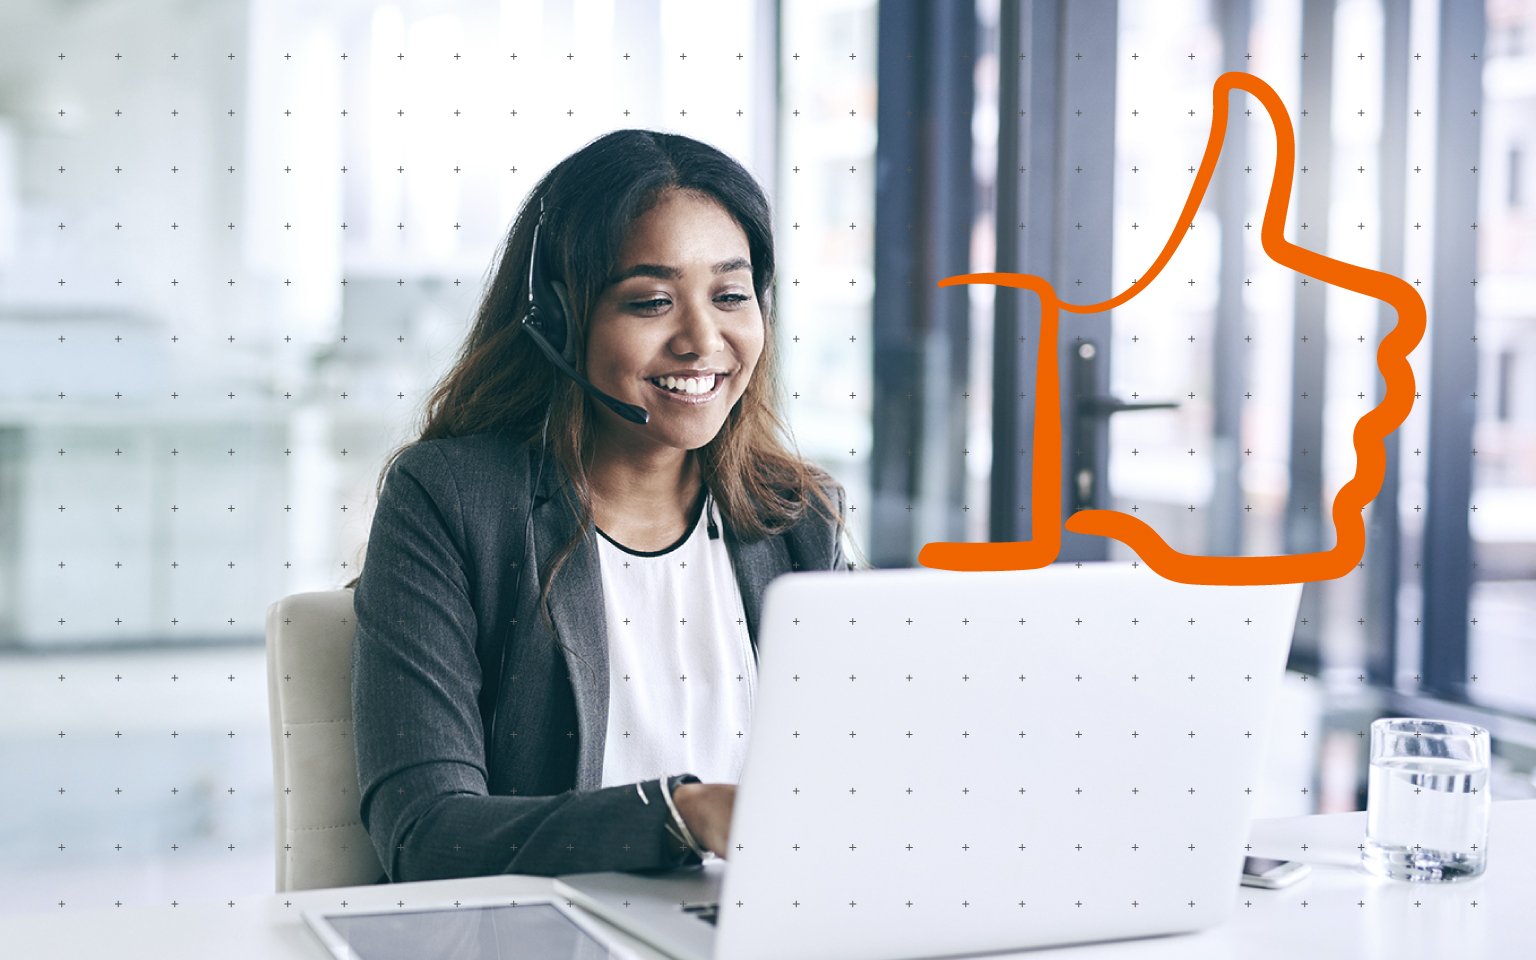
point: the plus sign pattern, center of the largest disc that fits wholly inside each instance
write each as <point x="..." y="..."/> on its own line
<point x="235" y="251"/>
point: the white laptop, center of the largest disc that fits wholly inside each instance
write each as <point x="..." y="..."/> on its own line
<point x="947" y="763"/>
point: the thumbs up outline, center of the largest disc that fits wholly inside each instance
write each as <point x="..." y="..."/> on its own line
<point x="1370" y="431"/>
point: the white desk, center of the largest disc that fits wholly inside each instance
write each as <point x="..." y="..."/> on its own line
<point x="1338" y="912"/>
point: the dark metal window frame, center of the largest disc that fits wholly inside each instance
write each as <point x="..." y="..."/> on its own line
<point x="924" y="208"/>
<point x="1038" y="48"/>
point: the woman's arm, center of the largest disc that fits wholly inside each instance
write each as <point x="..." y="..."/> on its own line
<point x="467" y="834"/>
<point x="419" y="736"/>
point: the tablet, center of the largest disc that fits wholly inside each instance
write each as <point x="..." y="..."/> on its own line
<point x="529" y="927"/>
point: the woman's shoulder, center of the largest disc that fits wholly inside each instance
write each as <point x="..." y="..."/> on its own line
<point x="821" y="480"/>
<point x="471" y="468"/>
<point x="798" y="494"/>
<point x="489" y="451"/>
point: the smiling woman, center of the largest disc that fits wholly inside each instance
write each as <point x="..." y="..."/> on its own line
<point x="625" y="344"/>
<point x="681" y="321"/>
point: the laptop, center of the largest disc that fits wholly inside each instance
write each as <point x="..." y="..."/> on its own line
<point x="946" y="763"/>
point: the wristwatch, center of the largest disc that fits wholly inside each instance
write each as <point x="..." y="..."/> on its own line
<point x="678" y="828"/>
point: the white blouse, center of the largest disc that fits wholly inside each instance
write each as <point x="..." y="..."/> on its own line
<point x="681" y="674"/>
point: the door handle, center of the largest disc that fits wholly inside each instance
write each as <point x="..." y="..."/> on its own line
<point x="1090" y="411"/>
<point x="1104" y="406"/>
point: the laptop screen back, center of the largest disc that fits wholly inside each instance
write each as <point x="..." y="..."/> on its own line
<point x="958" y="762"/>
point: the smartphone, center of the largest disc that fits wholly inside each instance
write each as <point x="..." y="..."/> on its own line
<point x="1272" y="874"/>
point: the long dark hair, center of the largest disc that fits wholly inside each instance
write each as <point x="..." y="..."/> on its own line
<point x="501" y="382"/>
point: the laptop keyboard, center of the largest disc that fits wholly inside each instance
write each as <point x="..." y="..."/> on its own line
<point x="704" y="911"/>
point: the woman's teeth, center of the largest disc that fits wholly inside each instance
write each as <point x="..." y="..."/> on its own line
<point x="692" y="385"/>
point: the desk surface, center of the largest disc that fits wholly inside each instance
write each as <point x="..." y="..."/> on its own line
<point x="1338" y="912"/>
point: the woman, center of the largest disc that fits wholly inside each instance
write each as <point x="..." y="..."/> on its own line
<point x="607" y="731"/>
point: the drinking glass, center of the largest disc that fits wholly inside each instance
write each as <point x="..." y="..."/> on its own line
<point x="1427" y="804"/>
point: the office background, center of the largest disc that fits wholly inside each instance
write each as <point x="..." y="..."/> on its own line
<point x="240" y="241"/>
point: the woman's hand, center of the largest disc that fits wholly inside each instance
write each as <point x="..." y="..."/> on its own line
<point x="706" y="809"/>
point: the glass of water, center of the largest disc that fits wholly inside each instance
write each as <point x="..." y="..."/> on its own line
<point x="1428" y="803"/>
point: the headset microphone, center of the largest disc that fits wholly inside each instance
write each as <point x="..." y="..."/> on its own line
<point x="547" y="321"/>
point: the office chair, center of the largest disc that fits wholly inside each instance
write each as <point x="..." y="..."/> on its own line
<point x="320" y="839"/>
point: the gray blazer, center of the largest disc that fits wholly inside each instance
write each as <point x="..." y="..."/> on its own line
<point x="435" y="603"/>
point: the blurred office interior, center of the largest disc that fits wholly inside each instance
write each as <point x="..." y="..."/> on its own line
<point x="240" y="241"/>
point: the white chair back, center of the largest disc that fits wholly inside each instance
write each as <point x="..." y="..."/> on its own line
<point x="320" y="840"/>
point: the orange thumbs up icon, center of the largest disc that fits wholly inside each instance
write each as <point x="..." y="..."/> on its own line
<point x="1369" y="435"/>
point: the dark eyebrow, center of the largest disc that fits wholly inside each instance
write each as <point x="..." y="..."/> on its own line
<point x="660" y="272"/>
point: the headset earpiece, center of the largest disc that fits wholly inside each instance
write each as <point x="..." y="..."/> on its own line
<point x="548" y="307"/>
<point x="562" y="296"/>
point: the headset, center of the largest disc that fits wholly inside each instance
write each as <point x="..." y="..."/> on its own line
<point x="546" y="321"/>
